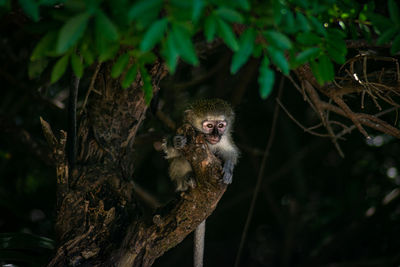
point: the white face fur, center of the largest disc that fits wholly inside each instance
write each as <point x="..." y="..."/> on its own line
<point x="198" y="122"/>
<point x="214" y="127"/>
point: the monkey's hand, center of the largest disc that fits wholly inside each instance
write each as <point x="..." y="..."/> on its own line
<point x="185" y="182"/>
<point x="227" y="170"/>
<point x="179" y="141"/>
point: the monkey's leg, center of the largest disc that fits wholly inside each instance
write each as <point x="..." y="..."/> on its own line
<point x="198" y="249"/>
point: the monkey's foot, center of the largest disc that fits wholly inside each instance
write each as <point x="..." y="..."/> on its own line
<point x="179" y="141"/>
<point x="185" y="182"/>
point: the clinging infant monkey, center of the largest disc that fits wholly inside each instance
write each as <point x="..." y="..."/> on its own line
<point x="214" y="118"/>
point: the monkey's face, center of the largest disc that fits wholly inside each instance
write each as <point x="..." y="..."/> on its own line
<point x="214" y="130"/>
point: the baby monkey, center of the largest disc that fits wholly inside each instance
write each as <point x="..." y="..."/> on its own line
<point x="214" y="118"/>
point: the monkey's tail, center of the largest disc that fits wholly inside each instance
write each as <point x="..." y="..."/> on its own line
<point x="199" y="234"/>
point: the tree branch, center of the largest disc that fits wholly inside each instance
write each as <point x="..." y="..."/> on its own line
<point x="172" y="223"/>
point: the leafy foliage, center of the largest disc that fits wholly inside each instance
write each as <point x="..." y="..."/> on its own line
<point x="24" y="248"/>
<point x="289" y="33"/>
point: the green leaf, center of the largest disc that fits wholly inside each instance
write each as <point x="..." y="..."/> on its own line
<point x="105" y="36"/>
<point x="76" y="64"/>
<point x="303" y="4"/>
<point x="278" y="10"/>
<point x="184" y="44"/>
<point x="147" y="86"/>
<point x="129" y="77"/>
<point x="278" y="40"/>
<point x="381" y="22"/>
<point x="316" y="71"/>
<point x="386" y="36"/>
<point x="107" y="50"/>
<point x="59" y="68"/>
<point x="72" y="30"/>
<point x="106" y="26"/>
<point x="229" y="14"/>
<point x="336" y="33"/>
<point x="337" y="43"/>
<point x="226" y="33"/>
<point x="88" y="56"/>
<point x="120" y="65"/>
<point x="147" y="58"/>
<point x="279" y="59"/>
<point x="395" y="45"/>
<point x="86" y="49"/>
<point x="302" y="22"/>
<point x="394" y="12"/>
<point x="288" y="22"/>
<point x="326" y="68"/>
<point x="308" y="54"/>
<point x="336" y="55"/>
<point x="318" y="27"/>
<point x="6" y="4"/>
<point x="210" y="28"/>
<point x="50" y="2"/>
<point x="257" y="50"/>
<point x="266" y="79"/>
<point x="171" y="54"/>
<point x="153" y="35"/>
<point x="246" y="44"/>
<point x="45" y="45"/>
<point x="31" y="8"/>
<point x="244" y="4"/>
<point x="36" y="67"/>
<point x="198" y="6"/>
<point x="308" y="38"/>
<point x="144" y="8"/>
<point x="25" y="241"/>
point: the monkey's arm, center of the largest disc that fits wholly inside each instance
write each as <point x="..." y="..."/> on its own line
<point x="227" y="170"/>
<point x="230" y="157"/>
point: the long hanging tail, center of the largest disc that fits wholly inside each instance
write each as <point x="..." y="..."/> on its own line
<point x="199" y="234"/>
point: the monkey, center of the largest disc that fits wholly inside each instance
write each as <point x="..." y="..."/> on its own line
<point x="214" y="118"/>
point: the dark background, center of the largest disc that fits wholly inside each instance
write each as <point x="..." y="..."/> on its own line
<point x="314" y="207"/>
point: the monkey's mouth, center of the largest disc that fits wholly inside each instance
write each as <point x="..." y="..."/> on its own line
<point x="213" y="139"/>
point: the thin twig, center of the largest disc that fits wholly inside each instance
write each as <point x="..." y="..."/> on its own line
<point x="350" y="114"/>
<point x="260" y="174"/>
<point x="298" y="123"/>
<point x="91" y="87"/>
<point x="71" y="137"/>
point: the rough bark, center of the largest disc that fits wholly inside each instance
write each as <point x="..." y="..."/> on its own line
<point x="99" y="222"/>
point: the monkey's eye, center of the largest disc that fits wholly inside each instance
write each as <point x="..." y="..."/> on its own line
<point x="210" y="126"/>
<point x="221" y="125"/>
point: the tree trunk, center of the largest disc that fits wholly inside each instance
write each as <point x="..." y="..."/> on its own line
<point x="99" y="222"/>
